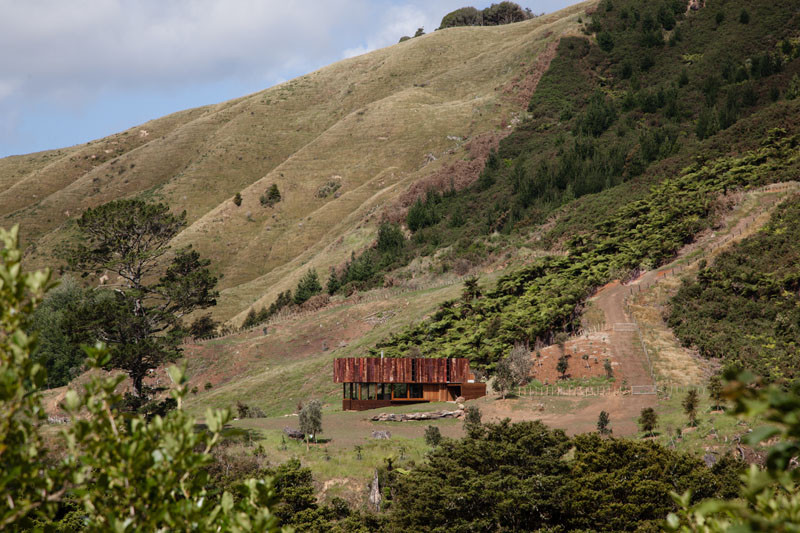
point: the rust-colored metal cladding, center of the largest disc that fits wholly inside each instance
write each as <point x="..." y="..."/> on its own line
<point x="372" y="382"/>
<point x="400" y="370"/>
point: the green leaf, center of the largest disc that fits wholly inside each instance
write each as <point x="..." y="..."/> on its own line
<point x="177" y="375"/>
<point x="72" y="401"/>
<point x="673" y="522"/>
<point x="760" y="434"/>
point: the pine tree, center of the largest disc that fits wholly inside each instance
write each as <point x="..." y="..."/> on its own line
<point x="433" y="436"/>
<point x="472" y="421"/>
<point x="648" y="420"/>
<point x="333" y="285"/>
<point x="715" y="391"/>
<point x="603" y="421"/>
<point x="562" y="366"/>
<point x="307" y="287"/>
<point x="690" y="404"/>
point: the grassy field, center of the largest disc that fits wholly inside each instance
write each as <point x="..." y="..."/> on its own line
<point x="376" y="124"/>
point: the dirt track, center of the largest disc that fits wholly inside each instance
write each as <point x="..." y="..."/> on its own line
<point x="624" y="338"/>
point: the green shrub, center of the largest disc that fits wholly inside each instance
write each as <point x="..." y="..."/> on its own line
<point x="271" y="197"/>
<point x="307" y="287"/>
<point x="744" y="17"/>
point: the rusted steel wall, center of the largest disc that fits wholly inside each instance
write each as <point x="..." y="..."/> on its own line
<point x="472" y="391"/>
<point x="400" y="370"/>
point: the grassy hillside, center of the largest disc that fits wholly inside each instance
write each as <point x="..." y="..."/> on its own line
<point x="373" y="124"/>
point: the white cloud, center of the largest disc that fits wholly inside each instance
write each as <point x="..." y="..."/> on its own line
<point x="67" y="55"/>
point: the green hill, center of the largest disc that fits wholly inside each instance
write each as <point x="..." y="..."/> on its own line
<point x="555" y="159"/>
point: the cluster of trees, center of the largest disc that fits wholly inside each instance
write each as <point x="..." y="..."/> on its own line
<point x="527" y="477"/>
<point x="745" y="307"/>
<point x="271" y="196"/>
<point x="308" y="286"/>
<point x="494" y="15"/>
<point x="116" y="471"/>
<point x="367" y="269"/>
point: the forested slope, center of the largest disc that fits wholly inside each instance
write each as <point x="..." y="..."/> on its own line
<point x="744" y="308"/>
<point x="645" y="126"/>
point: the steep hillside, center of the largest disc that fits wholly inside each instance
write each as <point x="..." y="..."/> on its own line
<point x="372" y="124"/>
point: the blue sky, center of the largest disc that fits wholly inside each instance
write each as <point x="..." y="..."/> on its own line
<point x="79" y="70"/>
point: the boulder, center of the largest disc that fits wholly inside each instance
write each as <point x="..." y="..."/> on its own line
<point x="381" y="435"/>
<point x="294" y="433"/>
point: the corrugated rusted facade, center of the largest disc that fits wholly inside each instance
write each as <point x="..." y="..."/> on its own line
<point x="372" y="382"/>
<point x="400" y="370"/>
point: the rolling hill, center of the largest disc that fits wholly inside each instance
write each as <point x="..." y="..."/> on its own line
<point x="372" y="125"/>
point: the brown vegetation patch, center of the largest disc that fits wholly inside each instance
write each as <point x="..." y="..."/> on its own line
<point x="520" y="89"/>
<point x="458" y="175"/>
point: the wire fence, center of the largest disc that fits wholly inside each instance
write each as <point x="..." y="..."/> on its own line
<point x="661" y="389"/>
<point x="413" y="286"/>
<point x="363" y="297"/>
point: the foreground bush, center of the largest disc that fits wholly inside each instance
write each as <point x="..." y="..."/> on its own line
<point x="118" y="472"/>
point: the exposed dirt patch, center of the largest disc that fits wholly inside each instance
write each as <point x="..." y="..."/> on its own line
<point x="594" y="346"/>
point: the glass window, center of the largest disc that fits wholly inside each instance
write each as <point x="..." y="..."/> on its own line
<point x="354" y="391"/>
<point x="383" y="391"/>
<point x="400" y="390"/>
<point x="415" y="390"/>
<point x="344" y="390"/>
<point x="372" y="389"/>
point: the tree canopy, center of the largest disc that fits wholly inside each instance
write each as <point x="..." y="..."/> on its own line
<point x="122" y="472"/>
<point x="153" y="289"/>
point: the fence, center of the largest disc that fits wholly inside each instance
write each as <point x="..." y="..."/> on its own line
<point x="365" y="297"/>
<point x="560" y="390"/>
<point x="662" y="389"/>
<point x="383" y="294"/>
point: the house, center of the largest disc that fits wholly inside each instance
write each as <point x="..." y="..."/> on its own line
<point x="373" y="382"/>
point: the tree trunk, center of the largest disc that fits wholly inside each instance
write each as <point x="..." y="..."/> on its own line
<point x="138" y="384"/>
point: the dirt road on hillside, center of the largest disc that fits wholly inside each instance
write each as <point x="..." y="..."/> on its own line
<point x="623" y="333"/>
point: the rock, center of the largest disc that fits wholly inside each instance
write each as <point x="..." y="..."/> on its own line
<point x="460" y="399"/>
<point x="710" y="459"/>
<point x="294" y="433"/>
<point x="430" y="415"/>
<point x="381" y="435"/>
<point x="460" y="405"/>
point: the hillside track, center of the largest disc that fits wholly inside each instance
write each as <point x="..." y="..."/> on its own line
<point x="751" y="213"/>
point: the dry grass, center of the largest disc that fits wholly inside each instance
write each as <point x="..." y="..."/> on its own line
<point x="372" y="120"/>
<point x="671" y="361"/>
